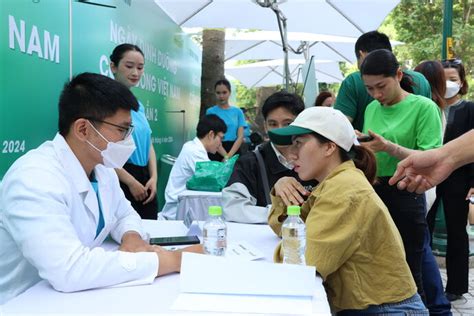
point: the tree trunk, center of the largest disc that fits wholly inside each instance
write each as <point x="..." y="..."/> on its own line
<point x="213" y="44"/>
<point x="261" y="95"/>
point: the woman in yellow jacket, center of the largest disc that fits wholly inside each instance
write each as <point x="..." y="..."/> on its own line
<point x="351" y="238"/>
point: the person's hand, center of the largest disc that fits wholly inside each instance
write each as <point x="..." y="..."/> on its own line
<point x="150" y="188"/>
<point x="421" y="171"/>
<point x="378" y="143"/>
<point x="133" y="242"/>
<point x="138" y="190"/>
<point x="170" y="261"/>
<point x="469" y="193"/>
<point x="290" y="191"/>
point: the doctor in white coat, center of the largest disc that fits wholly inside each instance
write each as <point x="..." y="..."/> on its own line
<point x="209" y="133"/>
<point x="60" y="201"/>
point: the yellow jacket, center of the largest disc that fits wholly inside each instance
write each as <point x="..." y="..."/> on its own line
<point x="352" y="241"/>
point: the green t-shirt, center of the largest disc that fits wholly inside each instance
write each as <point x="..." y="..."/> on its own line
<point x="353" y="98"/>
<point x="414" y="123"/>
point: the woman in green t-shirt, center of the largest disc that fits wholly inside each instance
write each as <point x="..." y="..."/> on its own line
<point x="411" y="122"/>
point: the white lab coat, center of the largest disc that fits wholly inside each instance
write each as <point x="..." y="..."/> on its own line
<point x="48" y="221"/>
<point x="183" y="169"/>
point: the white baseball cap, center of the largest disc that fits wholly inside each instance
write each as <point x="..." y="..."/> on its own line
<point x="325" y="121"/>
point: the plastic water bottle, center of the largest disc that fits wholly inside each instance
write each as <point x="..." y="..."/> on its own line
<point x="293" y="233"/>
<point x="215" y="233"/>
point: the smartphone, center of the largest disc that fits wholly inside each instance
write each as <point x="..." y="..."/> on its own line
<point x="365" y="138"/>
<point x="175" y="241"/>
<point x="471" y="199"/>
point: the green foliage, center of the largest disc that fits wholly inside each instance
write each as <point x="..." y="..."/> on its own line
<point x="347" y="68"/>
<point x="245" y="97"/>
<point x="419" y="24"/>
<point x="331" y="87"/>
<point x="246" y="62"/>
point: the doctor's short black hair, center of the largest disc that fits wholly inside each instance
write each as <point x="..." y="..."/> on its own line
<point x="90" y="95"/>
<point x="290" y="101"/>
<point x="210" y="122"/>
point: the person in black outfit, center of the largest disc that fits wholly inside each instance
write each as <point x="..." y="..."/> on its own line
<point x="246" y="197"/>
<point x="455" y="191"/>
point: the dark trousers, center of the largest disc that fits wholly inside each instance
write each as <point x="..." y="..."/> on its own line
<point x="436" y="301"/>
<point x="456" y="209"/>
<point x="146" y="211"/>
<point x="227" y="146"/>
<point x="408" y="212"/>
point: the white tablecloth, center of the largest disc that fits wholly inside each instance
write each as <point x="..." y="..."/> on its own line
<point x="152" y="299"/>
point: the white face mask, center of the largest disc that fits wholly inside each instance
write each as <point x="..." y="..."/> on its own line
<point x="116" y="154"/>
<point x="452" y="89"/>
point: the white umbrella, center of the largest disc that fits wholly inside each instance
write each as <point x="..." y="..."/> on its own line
<point x="267" y="45"/>
<point x="272" y="72"/>
<point x="333" y="17"/>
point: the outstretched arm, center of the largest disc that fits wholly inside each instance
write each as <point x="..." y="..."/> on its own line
<point x="423" y="170"/>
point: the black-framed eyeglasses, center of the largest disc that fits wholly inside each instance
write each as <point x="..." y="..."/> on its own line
<point x="126" y="130"/>
<point x="451" y="62"/>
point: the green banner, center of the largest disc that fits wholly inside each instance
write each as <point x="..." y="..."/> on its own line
<point x="170" y="86"/>
<point x="34" y="64"/>
<point x="36" y="60"/>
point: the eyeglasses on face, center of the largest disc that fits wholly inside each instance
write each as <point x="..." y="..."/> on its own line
<point x="125" y="130"/>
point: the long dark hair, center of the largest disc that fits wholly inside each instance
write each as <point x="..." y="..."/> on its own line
<point x="363" y="158"/>
<point x="434" y="73"/>
<point x="383" y="62"/>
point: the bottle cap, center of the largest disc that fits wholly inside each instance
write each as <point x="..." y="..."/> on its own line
<point x="215" y="210"/>
<point x="293" y="210"/>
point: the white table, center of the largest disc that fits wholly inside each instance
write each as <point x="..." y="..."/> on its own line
<point x="152" y="299"/>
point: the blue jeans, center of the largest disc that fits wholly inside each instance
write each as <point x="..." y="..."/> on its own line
<point x="411" y="306"/>
<point x="436" y="301"/>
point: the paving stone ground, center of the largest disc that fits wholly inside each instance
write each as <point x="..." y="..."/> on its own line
<point x="466" y="305"/>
